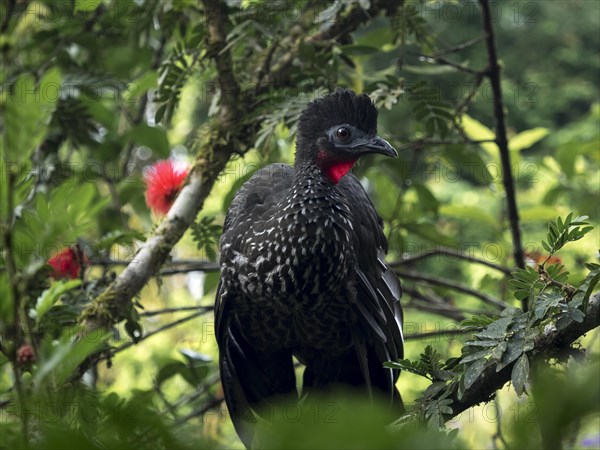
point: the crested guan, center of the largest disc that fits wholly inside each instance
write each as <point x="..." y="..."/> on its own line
<point x="303" y="271"/>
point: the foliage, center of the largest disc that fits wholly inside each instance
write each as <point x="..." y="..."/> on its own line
<point x="510" y="340"/>
<point x="206" y="235"/>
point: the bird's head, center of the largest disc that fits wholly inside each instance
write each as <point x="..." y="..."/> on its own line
<point x="336" y="130"/>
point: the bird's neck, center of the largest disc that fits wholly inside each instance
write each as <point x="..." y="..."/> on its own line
<point x="314" y="193"/>
<point x="334" y="167"/>
<point x="331" y="167"/>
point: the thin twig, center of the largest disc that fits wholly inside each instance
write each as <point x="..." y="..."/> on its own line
<point x="141" y="110"/>
<point x="158" y="330"/>
<point x="493" y="73"/>
<point x="433" y="303"/>
<point x="460" y="108"/>
<point x="174" y="267"/>
<point x="460" y="47"/>
<point x="430" y="279"/>
<point x="201" y="411"/>
<point x="498" y="435"/>
<point x="446" y="62"/>
<point x="426" y="141"/>
<point x="266" y="65"/>
<point x="176" y="310"/>
<point x="449" y="252"/>
<point x="439" y="333"/>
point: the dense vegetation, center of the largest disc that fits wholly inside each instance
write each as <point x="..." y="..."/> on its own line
<point x="106" y="336"/>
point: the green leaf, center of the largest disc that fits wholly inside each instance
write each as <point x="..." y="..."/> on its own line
<point x="589" y="284"/>
<point x="429" y="69"/>
<point x="496" y="330"/>
<point x="140" y="86"/>
<point x="488" y="343"/>
<point x="87" y="5"/>
<point x="546" y="301"/>
<point x="520" y="374"/>
<point x="526" y="139"/>
<point x="476" y="131"/>
<point x="27" y="113"/>
<point x="475" y="356"/>
<point x="426" y="198"/>
<point x="169" y="370"/>
<point x="468" y="212"/>
<point x="434" y="389"/>
<point x="566" y="156"/>
<point x="477" y="321"/>
<point x="537" y="213"/>
<point x="359" y="50"/>
<point x="119" y="237"/>
<point x="50" y="296"/>
<point x="473" y="372"/>
<point x="206" y="235"/>
<point x="152" y="137"/>
<point x="514" y="349"/>
<point x="408" y="366"/>
<point x="469" y="163"/>
<point x="577" y="315"/>
<point x="499" y="351"/>
<point x="430" y="232"/>
<point x="60" y="359"/>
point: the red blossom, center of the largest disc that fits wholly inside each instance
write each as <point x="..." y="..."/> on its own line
<point x="66" y="264"/>
<point x="536" y="258"/>
<point x="25" y="354"/>
<point x="163" y="181"/>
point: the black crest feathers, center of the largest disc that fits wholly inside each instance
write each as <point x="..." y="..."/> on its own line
<point x="342" y="106"/>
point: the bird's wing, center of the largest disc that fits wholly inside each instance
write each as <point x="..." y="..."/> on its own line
<point x="378" y="293"/>
<point x="248" y="376"/>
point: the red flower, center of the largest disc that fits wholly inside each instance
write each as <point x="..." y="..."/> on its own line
<point x="25" y="354"/>
<point x="163" y="181"/>
<point x="66" y="264"/>
<point x="535" y="258"/>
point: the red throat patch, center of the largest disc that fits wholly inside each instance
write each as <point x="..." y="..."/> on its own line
<point x="334" y="168"/>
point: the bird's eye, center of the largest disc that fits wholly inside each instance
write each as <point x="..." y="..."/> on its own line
<point x="343" y="133"/>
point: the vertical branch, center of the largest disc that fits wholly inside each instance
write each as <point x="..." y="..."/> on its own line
<point x="11" y="271"/>
<point x="215" y="11"/>
<point x="493" y="72"/>
<point x="9" y="9"/>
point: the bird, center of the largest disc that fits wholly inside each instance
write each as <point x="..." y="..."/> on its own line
<point x="303" y="273"/>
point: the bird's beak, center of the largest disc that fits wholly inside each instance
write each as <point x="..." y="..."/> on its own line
<point x="373" y="144"/>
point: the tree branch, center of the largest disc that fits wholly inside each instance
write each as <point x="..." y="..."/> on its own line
<point x="550" y="341"/>
<point x="114" y="304"/>
<point x="493" y="72"/>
